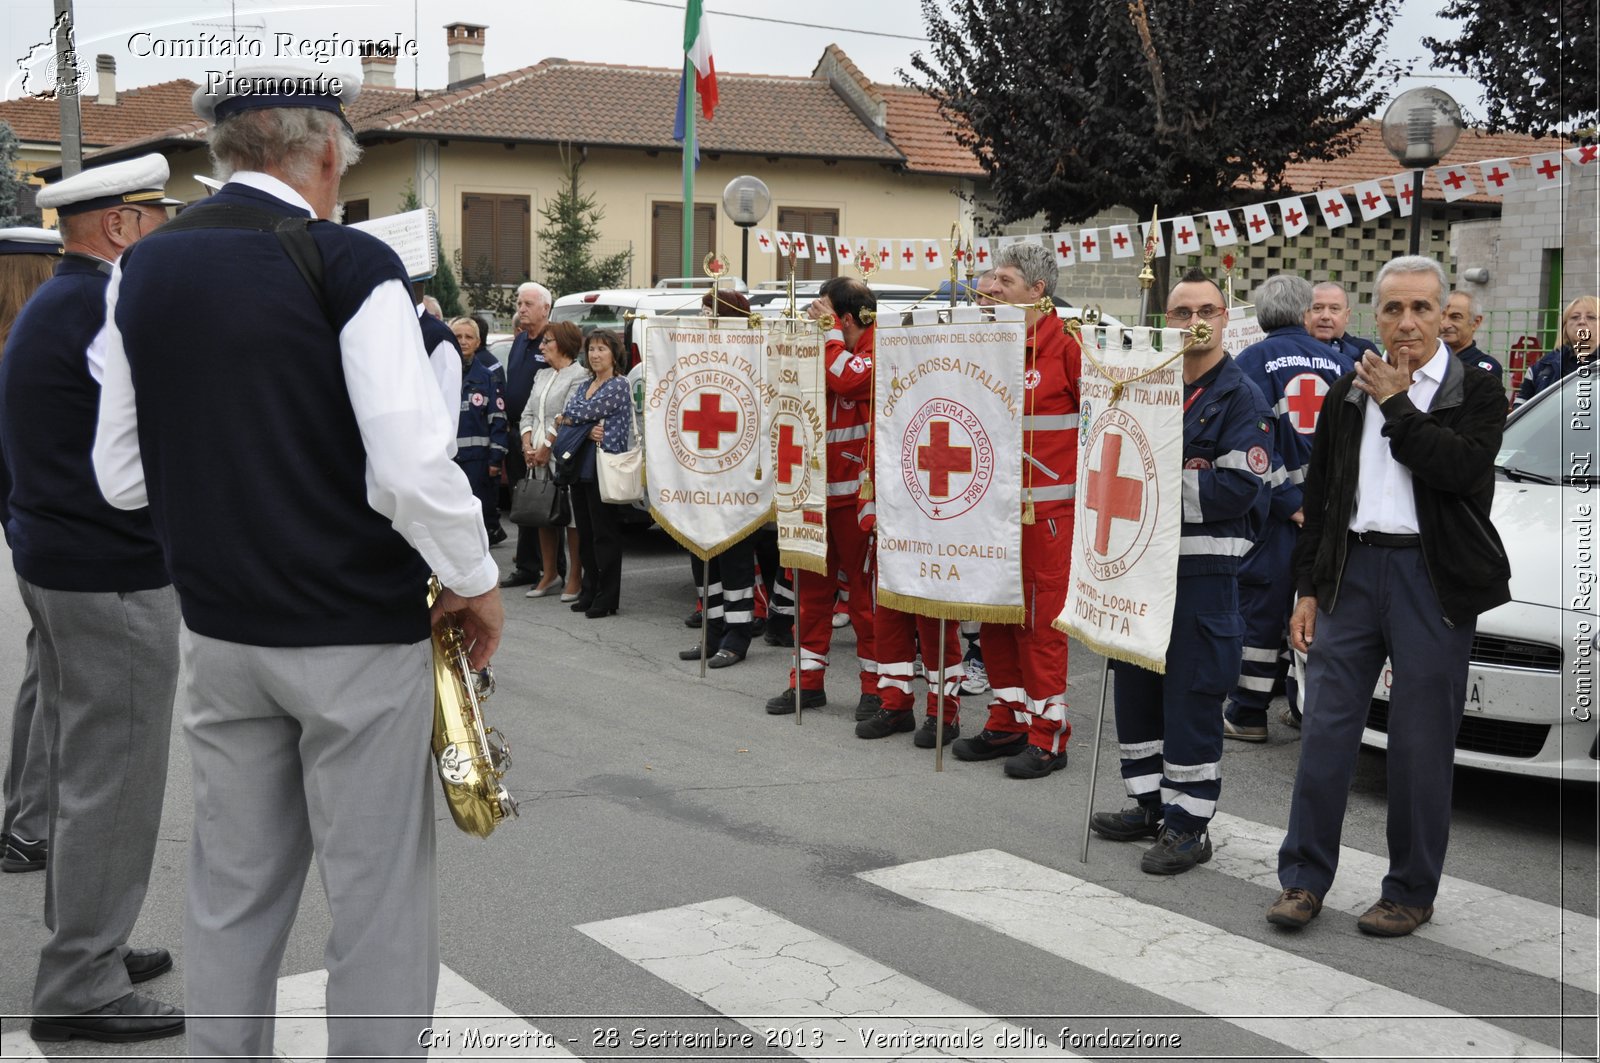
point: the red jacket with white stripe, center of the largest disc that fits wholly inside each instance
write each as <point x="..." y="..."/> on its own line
<point x="849" y="395"/>
<point x="1050" y="418"/>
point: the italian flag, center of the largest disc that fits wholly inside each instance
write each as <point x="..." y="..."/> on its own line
<point x="697" y="46"/>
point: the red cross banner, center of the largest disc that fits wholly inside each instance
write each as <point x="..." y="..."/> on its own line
<point x="1089" y="245"/>
<point x="1124" y="570"/>
<point x="1257" y="223"/>
<point x="1405" y="191"/>
<point x="1064" y="246"/>
<point x="1335" y="211"/>
<point x="820" y="249"/>
<point x="1294" y="217"/>
<point x="1547" y="169"/>
<point x="947" y="465"/>
<point x="1123" y="245"/>
<point x="1185" y="237"/>
<point x="1456" y="182"/>
<point x="1222" y="231"/>
<point x="1370" y="197"/>
<point x="883" y="251"/>
<point x="796" y="437"/>
<point x="801" y="242"/>
<point x="707" y="464"/>
<point x="765" y="242"/>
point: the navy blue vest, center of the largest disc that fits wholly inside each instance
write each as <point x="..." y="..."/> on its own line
<point x="64" y="535"/>
<point x="254" y="462"/>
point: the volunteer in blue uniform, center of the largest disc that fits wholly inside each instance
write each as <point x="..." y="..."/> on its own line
<point x="1463" y="315"/>
<point x="301" y="561"/>
<point x="98" y="592"/>
<point x="1326" y="321"/>
<point x="1169" y="727"/>
<point x="1579" y="324"/>
<point x="444" y="353"/>
<point x="1293" y="372"/>
<point x="481" y="433"/>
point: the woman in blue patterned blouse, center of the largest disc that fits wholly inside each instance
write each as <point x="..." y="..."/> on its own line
<point x="607" y="404"/>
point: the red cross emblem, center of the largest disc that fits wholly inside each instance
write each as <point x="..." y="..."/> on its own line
<point x="710" y="421"/>
<point x="1335" y="205"/>
<point x="1088" y="243"/>
<point x="1371" y="201"/>
<point x="790" y="454"/>
<point x="1498" y="176"/>
<point x="764" y="241"/>
<point x="1455" y="179"/>
<point x="844" y="250"/>
<point x="1586" y="154"/>
<point x="1112" y="496"/>
<point x="1406" y="192"/>
<point x="1063" y="249"/>
<point x="1303" y="401"/>
<point x="1257" y="222"/>
<point x="931" y="254"/>
<point x="1548" y="169"/>
<point x="1294" y="216"/>
<point x="1120" y="240"/>
<point x="908" y="256"/>
<point x="783" y="243"/>
<point x="883" y="254"/>
<point x="983" y="255"/>
<point x="1184" y="235"/>
<point x="938" y="458"/>
<point x="1221" y="226"/>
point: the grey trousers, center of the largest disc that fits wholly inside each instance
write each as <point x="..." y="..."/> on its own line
<point x="320" y="751"/>
<point x="27" y="814"/>
<point x="1385" y="607"/>
<point x="108" y="669"/>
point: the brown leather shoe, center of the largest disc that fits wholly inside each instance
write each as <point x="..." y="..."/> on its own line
<point x="1389" y="919"/>
<point x="1294" y="908"/>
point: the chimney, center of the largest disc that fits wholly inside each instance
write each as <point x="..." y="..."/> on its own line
<point x="465" y="44"/>
<point x="106" y="67"/>
<point x="377" y="64"/>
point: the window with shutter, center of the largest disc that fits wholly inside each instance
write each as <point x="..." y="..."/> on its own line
<point x="666" y="238"/>
<point x="808" y="221"/>
<point x="495" y="238"/>
<point x="356" y="210"/>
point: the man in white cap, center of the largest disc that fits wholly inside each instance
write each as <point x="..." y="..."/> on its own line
<point x="301" y="516"/>
<point x="106" y="623"/>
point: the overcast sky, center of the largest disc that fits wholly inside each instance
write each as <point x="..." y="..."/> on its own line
<point x="749" y="36"/>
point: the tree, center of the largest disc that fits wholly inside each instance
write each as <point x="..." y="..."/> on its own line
<point x="442" y="285"/>
<point x="1536" y="58"/>
<point x="13" y="189"/>
<point x="572" y="226"/>
<point x="1072" y="108"/>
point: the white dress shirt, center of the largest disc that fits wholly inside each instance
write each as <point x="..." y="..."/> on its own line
<point x="445" y="359"/>
<point x="395" y="397"/>
<point x="1385" y="501"/>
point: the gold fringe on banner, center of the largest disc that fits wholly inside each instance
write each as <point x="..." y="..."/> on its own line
<point x="695" y="548"/>
<point x="994" y="614"/>
<point x="804" y="562"/>
<point x="1105" y="649"/>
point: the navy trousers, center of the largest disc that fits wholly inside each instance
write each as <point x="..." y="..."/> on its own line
<point x="1385" y="607"/>
<point x="1266" y="595"/>
<point x="1169" y="727"/>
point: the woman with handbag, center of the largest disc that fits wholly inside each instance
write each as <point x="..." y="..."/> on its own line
<point x="561" y="343"/>
<point x="603" y="413"/>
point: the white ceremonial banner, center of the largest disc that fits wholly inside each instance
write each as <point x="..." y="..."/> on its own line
<point x="1241" y="330"/>
<point x="707" y="467"/>
<point x="797" y="439"/>
<point x="947" y="465"/>
<point x="1124" y="570"/>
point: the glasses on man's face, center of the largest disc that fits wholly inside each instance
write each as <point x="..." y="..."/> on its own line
<point x="1182" y="315"/>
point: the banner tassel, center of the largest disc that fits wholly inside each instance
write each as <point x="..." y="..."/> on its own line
<point x="1027" y="508"/>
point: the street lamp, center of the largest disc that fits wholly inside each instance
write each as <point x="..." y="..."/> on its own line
<point x="746" y="200"/>
<point x="1419" y="128"/>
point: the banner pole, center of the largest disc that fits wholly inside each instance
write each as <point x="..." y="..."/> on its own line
<point x="938" y="726"/>
<point x="705" y="612"/>
<point x="797" y="629"/>
<point x="1094" y="759"/>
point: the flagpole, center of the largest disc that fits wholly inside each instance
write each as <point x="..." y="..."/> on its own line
<point x="691" y="103"/>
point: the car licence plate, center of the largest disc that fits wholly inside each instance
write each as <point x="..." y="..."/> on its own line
<point x="1477" y="689"/>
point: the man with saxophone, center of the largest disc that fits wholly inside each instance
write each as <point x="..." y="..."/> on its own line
<point x="300" y="517"/>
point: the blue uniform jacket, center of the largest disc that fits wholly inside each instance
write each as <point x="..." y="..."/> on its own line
<point x="1546" y="371"/>
<point x="1227" y="461"/>
<point x="1293" y="371"/>
<point x="1352" y="347"/>
<point x="481" y="433"/>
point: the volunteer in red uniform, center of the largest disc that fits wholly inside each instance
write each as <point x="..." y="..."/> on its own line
<point x="1027" y="662"/>
<point x="848" y="361"/>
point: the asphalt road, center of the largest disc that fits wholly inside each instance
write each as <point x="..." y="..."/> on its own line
<point x="646" y="788"/>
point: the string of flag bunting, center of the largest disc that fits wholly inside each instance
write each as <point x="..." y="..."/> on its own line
<point x="1333" y="205"/>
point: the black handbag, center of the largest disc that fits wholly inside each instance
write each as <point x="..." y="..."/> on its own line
<point x="568" y="453"/>
<point x="539" y="502"/>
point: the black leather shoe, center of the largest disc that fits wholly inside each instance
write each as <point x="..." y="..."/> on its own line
<point x="886" y="722"/>
<point x="124" y="1020"/>
<point x="989" y="745"/>
<point x="724" y="659"/>
<point x="1034" y="763"/>
<point x="583" y="605"/>
<point x="927" y="735"/>
<point x="694" y="654"/>
<point x="595" y="612"/>
<point x="1137" y="821"/>
<point x="497" y="536"/>
<point x="783" y="704"/>
<point x="519" y="577"/>
<point x="23" y="855"/>
<point x="145" y="964"/>
<point x="868" y="707"/>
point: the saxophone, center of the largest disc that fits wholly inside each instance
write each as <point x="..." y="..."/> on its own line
<point x="472" y="758"/>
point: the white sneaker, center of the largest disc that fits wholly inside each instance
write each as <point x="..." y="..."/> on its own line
<point x="841" y="619"/>
<point x="977" y="681"/>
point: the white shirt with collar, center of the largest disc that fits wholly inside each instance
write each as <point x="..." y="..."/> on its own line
<point x="1385" y="501"/>
<point x="446" y="362"/>
<point x="395" y="396"/>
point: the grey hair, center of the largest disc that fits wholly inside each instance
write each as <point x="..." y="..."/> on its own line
<point x="1474" y="304"/>
<point x="538" y="289"/>
<point x="1282" y="300"/>
<point x="288" y="139"/>
<point x="1315" y="288"/>
<point x="1415" y="264"/>
<point x="1034" y="261"/>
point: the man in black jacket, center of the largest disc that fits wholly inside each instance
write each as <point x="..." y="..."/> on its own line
<point x="1397" y="558"/>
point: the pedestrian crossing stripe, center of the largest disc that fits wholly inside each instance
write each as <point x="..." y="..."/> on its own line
<point x="1530" y="935"/>
<point x="1326" y="1012"/>
<point x="822" y="1000"/>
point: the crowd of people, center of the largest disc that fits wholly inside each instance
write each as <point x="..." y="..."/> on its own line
<point x="1313" y="519"/>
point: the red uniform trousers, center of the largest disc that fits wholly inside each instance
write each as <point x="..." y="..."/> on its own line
<point x="1027" y="662"/>
<point x="898" y="635"/>
<point x="849" y="550"/>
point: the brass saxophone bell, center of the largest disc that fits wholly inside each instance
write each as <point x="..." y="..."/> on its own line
<point x="472" y="757"/>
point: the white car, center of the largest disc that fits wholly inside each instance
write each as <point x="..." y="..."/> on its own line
<point x="1530" y="688"/>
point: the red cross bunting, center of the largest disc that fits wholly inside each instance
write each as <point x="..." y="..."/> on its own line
<point x="1063" y="249"/>
<point x="1304" y="396"/>
<point x="1111" y="495"/>
<point x="883" y="254"/>
<point x="1586" y="153"/>
<point x="908" y="256"/>
<point x="1184" y="235"/>
<point x="1498" y="176"/>
<point x="931" y="254"/>
<point x="1222" y="227"/>
<point x="764" y="241"/>
<point x="790" y="454"/>
<point x="1258" y="223"/>
<point x="1120" y="240"/>
<point x="983" y="255"/>
<point x="1371" y="201"/>
<point x="1088" y="243"/>
<point x="783" y="243"/>
<point x="1294" y="216"/>
<point x="1455" y="179"/>
<point x="710" y="420"/>
<point x="939" y="459"/>
<point x="1335" y="205"/>
<point x="1406" y="192"/>
<point x="842" y="250"/>
<point x="1548" y="169"/>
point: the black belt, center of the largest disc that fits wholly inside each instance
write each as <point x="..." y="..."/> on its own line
<point x="1394" y="542"/>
